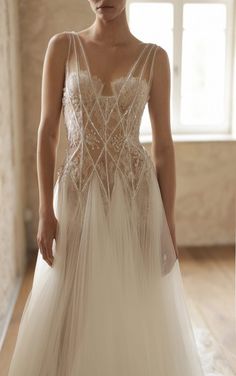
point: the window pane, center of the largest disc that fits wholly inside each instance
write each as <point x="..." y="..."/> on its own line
<point x="203" y="66"/>
<point x="158" y="29"/>
<point x="160" y="20"/>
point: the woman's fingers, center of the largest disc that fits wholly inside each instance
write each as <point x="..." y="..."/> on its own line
<point x="43" y="251"/>
<point x="47" y="231"/>
<point x="49" y="251"/>
<point x="44" y="247"/>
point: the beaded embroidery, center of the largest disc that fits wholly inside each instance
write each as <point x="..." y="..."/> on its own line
<point x="103" y="131"/>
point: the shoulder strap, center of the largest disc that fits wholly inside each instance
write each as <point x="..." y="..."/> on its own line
<point x="150" y="78"/>
<point x="69" y="42"/>
<point x="71" y="60"/>
<point x="68" y="50"/>
<point x="145" y="67"/>
<point x="136" y="62"/>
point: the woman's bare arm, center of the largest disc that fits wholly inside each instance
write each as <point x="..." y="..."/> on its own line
<point x="162" y="149"/>
<point x="47" y="141"/>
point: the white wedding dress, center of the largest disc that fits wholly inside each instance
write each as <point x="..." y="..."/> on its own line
<point x="113" y="303"/>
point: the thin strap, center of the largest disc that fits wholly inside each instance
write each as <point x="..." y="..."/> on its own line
<point x="137" y="60"/>
<point x="68" y="51"/>
<point x="152" y="64"/>
<point x="126" y="80"/>
<point x="75" y="52"/>
<point x="85" y="57"/>
<point x="146" y="60"/>
<point x="132" y="67"/>
<point x="78" y="76"/>
<point x="139" y="77"/>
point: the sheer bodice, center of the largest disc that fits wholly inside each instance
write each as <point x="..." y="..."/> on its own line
<point x="102" y="130"/>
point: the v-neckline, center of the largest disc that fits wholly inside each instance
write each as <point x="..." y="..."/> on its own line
<point x="124" y="77"/>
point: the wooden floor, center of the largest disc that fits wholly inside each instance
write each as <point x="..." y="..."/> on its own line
<point x="209" y="278"/>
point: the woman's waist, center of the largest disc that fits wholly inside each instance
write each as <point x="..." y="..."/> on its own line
<point x="129" y="159"/>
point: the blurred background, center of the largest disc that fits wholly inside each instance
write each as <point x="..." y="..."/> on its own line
<point x="199" y="37"/>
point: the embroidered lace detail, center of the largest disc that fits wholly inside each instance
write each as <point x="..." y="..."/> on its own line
<point x="103" y="131"/>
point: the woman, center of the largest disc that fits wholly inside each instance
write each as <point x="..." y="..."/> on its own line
<point x="107" y="295"/>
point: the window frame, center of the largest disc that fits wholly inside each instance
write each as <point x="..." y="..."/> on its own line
<point x="181" y="129"/>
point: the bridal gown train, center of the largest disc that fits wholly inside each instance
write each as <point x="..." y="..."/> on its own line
<point x="113" y="303"/>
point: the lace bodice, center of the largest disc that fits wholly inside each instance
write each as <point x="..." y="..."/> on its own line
<point x="103" y="130"/>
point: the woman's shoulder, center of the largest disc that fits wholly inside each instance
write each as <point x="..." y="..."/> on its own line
<point x="60" y="38"/>
<point x="158" y="47"/>
<point x="160" y="51"/>
<point x="58" y="44"/>
<point x="60" y="41"/>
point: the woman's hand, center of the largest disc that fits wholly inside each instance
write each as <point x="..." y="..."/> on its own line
<point x="47" y="229"/>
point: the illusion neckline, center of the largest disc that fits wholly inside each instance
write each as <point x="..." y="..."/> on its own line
<point x="124" y="77"/>
<point x="112" y="82"/>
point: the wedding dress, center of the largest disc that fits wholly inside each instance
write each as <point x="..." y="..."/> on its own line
<point x="113" y="303"/>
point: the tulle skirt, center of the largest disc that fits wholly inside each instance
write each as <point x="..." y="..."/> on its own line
<point x="113" y="302"/>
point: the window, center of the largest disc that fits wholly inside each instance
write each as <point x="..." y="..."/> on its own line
<point x="197" y="36"/>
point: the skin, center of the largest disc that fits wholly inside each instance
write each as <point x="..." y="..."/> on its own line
<point x="107" y="36"/>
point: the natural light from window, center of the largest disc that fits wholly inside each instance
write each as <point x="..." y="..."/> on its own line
<point x="203" y="66"/>
<point x="158" y="29"/>
<point x="196" y="37"/>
